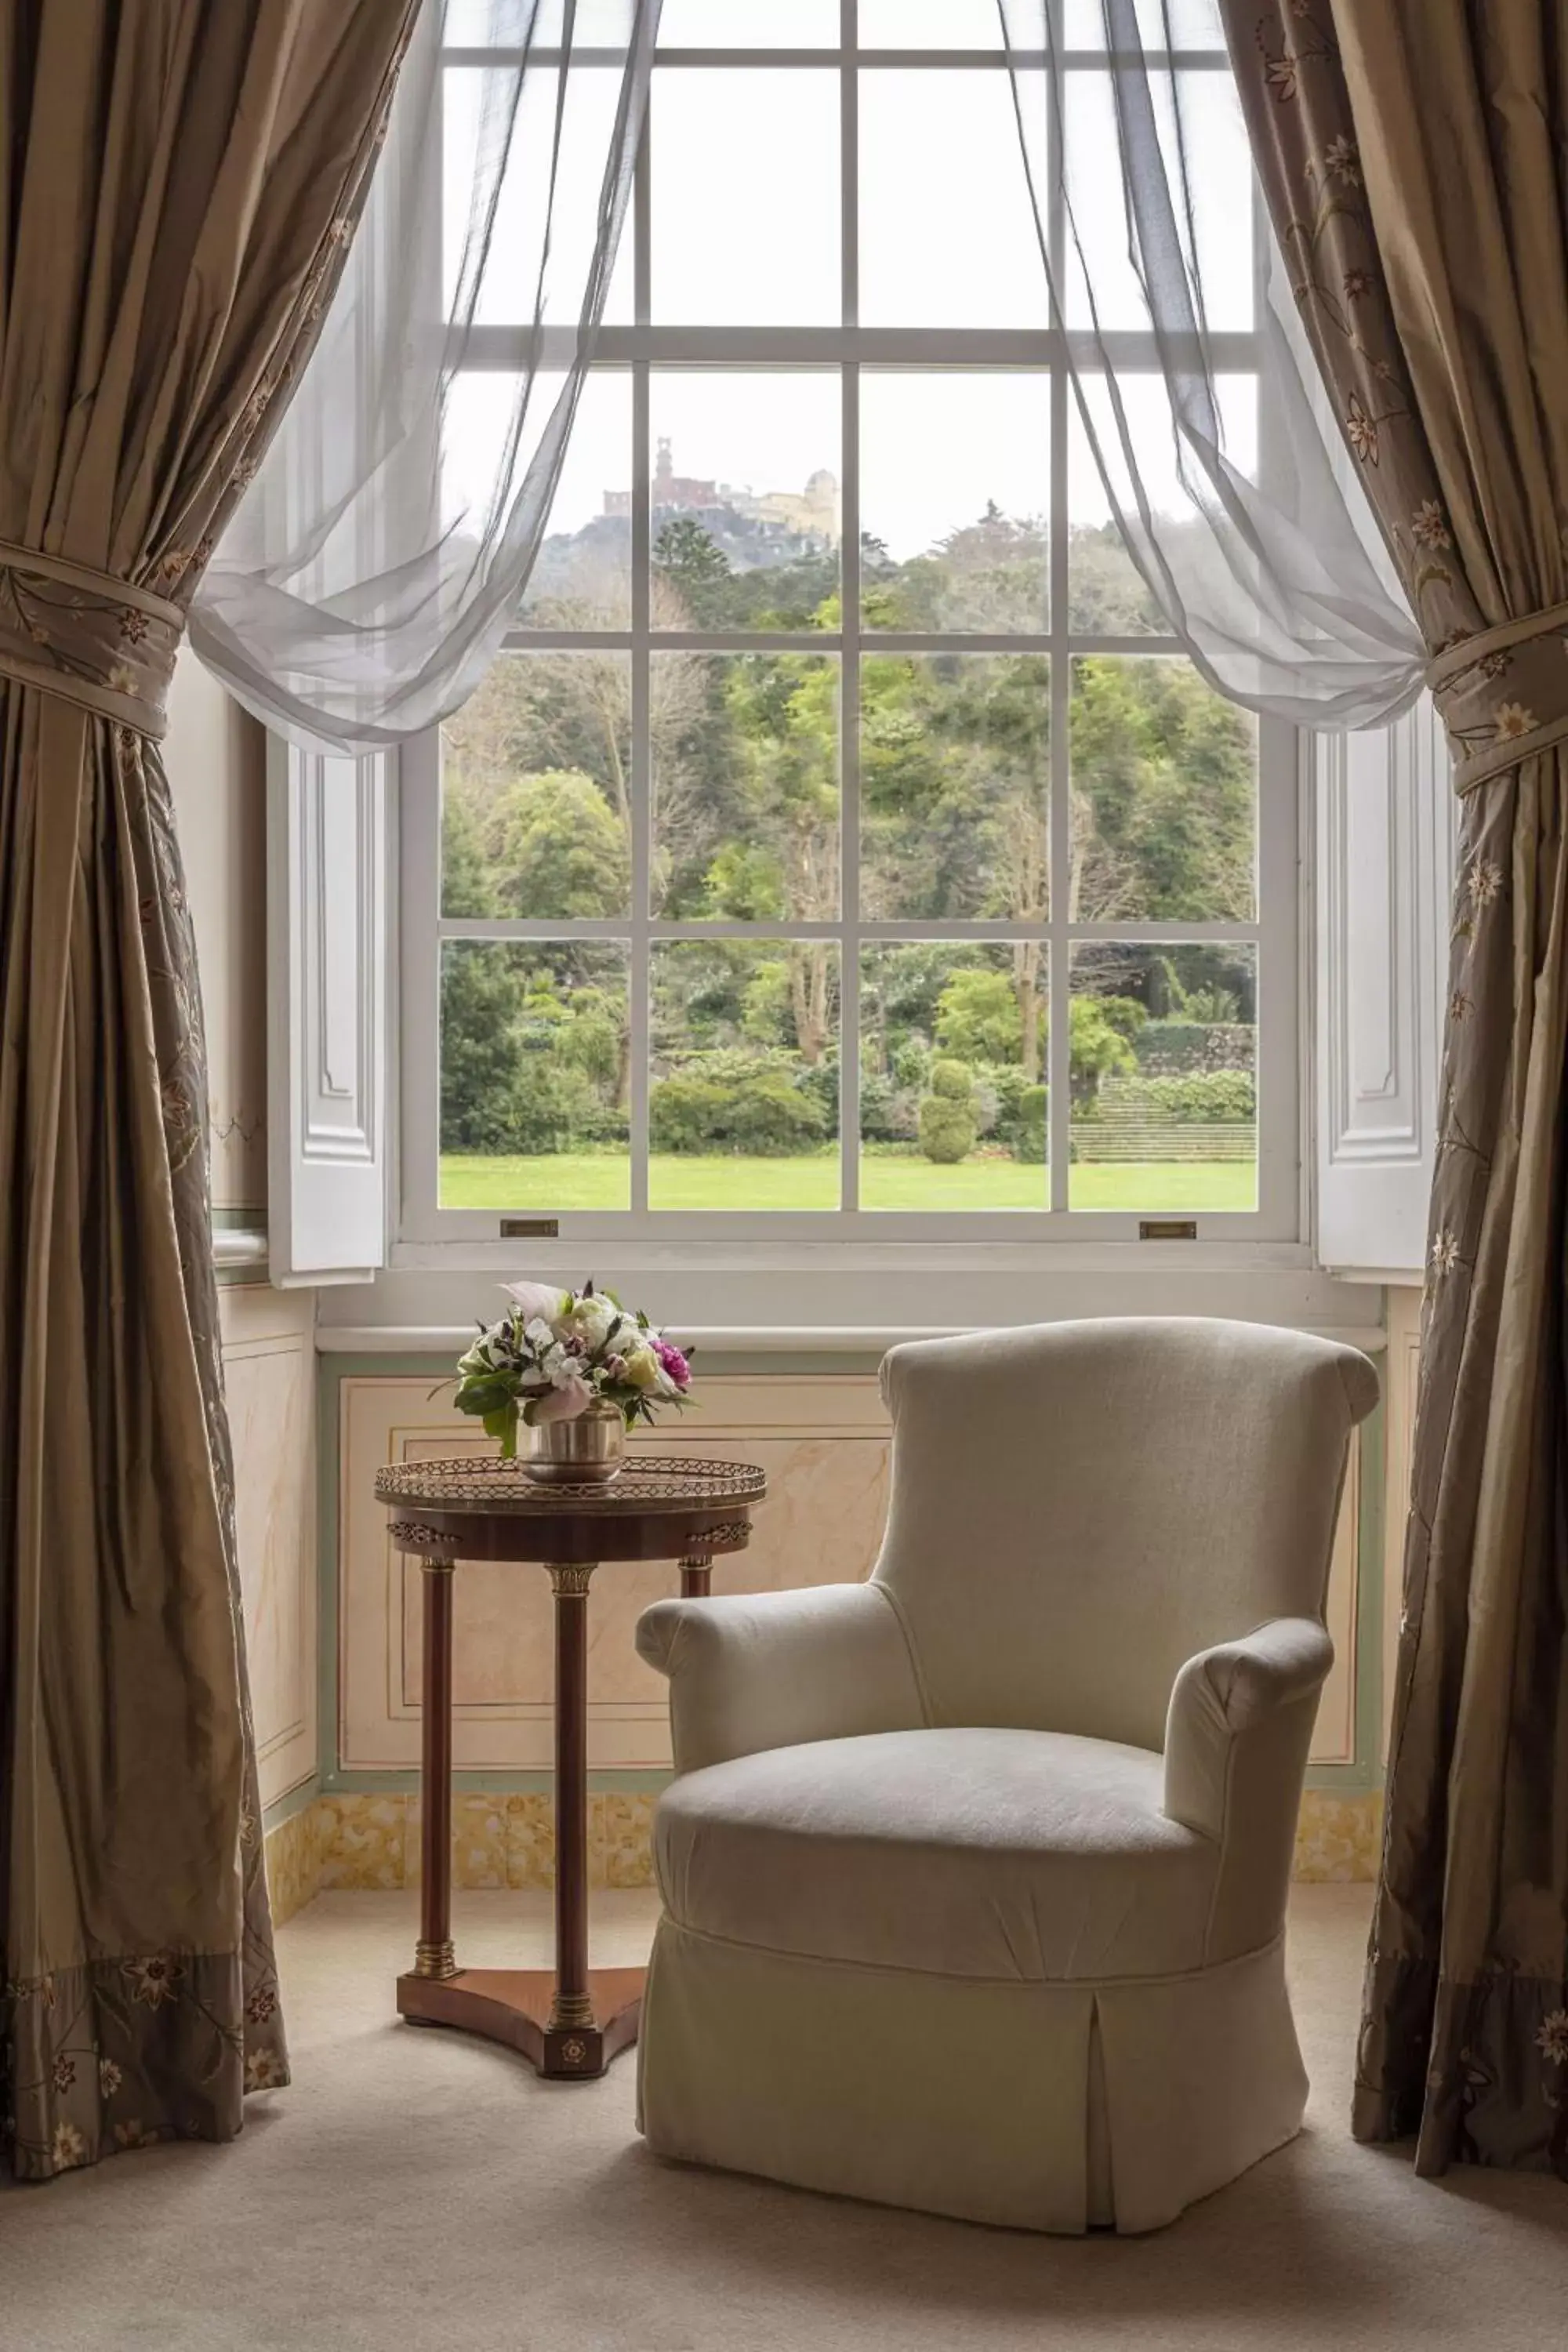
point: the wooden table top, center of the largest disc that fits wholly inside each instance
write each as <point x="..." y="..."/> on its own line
<point x="485" y="1482"/>
<point x="482" y="1508"/>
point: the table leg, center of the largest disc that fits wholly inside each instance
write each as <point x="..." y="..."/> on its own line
<point x="573" y="2003"/>
<point x="696" y="1576"/>
<point x="433" y="1954"/>
<point x="570" y="2020"/>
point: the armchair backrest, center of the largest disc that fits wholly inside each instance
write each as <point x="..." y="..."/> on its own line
<point x="1078" y="1507"/>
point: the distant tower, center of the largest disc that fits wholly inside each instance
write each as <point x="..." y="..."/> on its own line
<point x="663" y="474"/>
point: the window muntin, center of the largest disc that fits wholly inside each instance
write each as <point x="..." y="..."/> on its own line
<point x="872" y="738"/>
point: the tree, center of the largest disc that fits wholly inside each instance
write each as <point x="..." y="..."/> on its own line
<point x="1100" y="1048"/>
<point x="482" y="1055"/>
<point x="561" y="854"/>
<point x="695" y="566"/>
<point x="977" y="1018"/>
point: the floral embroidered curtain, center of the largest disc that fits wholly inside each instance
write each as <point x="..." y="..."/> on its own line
<point x="180" y="183"/>
<point x="1412" y="159"/>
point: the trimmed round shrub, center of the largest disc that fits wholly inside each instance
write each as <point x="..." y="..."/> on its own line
<point x="950" y="1082"/>
<point x="946" y="1130"/>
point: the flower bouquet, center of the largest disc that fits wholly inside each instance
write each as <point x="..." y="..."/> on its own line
<point x="575" y="1367"/>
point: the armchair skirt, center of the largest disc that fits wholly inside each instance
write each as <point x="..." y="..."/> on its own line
<point x="961" y="1970"/>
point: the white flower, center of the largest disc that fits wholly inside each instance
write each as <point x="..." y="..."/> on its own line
<point x="591" y="1319"/>
<point x="1513" y="719"/>
<point x="69" y="2148"/>
<point x="1445" y="1251"/>
<point x="535" y="1300"/>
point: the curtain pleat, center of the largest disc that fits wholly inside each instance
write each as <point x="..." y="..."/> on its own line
<point x="180" y="184"/>
<point x="1412" y="158"/>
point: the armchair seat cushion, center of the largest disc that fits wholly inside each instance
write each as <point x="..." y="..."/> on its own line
<point x="993" y="1854"/>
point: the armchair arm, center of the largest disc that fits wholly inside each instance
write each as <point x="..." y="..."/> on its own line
<point x="1236" y="1738"/>
<point x="755" y="1670"/>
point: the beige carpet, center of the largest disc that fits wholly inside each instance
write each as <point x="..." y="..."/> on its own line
<point x="416" y="2192"/>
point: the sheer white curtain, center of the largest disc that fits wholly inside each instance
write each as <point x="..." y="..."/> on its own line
<point x="369" y="573"/>
<point x="1233" y="491"/>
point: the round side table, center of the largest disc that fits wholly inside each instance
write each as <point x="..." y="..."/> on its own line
<point x="572" y="2021"/>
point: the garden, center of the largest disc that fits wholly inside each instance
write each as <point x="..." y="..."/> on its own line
<point x="745" y="1033"/>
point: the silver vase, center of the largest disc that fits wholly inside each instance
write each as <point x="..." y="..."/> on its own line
<point x="586" y="1452"/>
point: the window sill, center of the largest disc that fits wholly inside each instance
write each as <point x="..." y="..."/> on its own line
<point x="717" y="1255"/>
<point x="826" y="1305"/>
<point x="720" y="1339"/>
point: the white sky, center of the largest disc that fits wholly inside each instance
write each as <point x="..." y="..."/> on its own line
<point x="746" y="231"/>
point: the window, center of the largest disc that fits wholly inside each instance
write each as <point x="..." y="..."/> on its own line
<point x="838" y="847"/>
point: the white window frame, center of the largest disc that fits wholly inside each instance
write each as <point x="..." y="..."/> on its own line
<point x="1278" y="1219"/>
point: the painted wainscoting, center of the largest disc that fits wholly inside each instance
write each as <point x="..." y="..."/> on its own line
<point x="823" y="1437"/>
<point x="270" y="1374"/>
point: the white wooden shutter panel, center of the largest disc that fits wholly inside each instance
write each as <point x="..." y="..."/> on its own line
<point x="326" y="851"/>
<point x="1386" y="826"/>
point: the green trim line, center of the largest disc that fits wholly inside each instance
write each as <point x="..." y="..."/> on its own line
<point x="1361" y="1776"/>
<point x="283" y="1808"/>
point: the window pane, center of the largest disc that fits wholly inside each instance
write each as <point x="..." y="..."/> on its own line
<point x="1164" y="794"/>
<point x="535" y="767"/>
<point x="537" y="249"/>
<point x="1105" y="592"/>
<point x="1163" y="1076"/>
<point x="1220" y="235"/>
<point x="745" y="197"/>
<point x="748" y="24"/>
<point x="953" y="1053"/>
<point x="743" y="1074"/>
<point x="744" y="484"/>
<point x="534" y="1074"/>
<point x="947" y="231"/>
<point x="745" y="779"/>
<point x="583" y="578"/>
<point x="955" y="489"/>
<point x="954" y="786"/>
<point x="929" y="25"/>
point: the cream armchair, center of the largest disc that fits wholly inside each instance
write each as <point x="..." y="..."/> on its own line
<point x="974" y="1874"/>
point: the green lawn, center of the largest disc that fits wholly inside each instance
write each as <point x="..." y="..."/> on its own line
<point x="599" y="1180"/>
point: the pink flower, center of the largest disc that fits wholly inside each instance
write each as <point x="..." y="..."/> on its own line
<point x="674" y="1362"/>
<point x="562" y="1404"/>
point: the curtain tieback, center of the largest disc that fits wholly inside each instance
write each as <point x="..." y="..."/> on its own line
<point x="99" y="642"/>
<point x="1502" y="694"/>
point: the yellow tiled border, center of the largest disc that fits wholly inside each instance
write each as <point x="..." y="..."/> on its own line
<point x="363" y="1841"/>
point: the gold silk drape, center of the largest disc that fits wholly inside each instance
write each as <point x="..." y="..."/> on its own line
<point x="181" y="179"/>
<point x="1413" y="161"/>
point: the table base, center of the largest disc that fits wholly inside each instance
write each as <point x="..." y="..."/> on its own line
<point x="513" y="2006"/>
